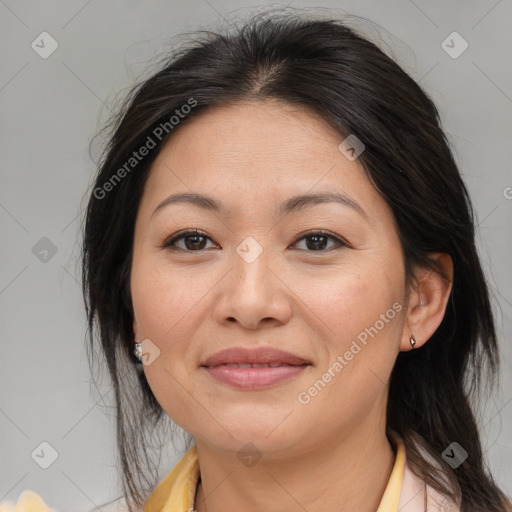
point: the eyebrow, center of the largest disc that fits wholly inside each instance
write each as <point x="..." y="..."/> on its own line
<point x="292" y="204"/>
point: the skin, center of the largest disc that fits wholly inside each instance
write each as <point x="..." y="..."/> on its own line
<point x="331" y="453"/>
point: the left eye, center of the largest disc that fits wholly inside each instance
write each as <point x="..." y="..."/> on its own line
<point x="195" y="240"/>
<point x="319" y="240"/>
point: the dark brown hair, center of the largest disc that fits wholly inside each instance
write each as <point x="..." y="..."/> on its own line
<point x="330" y="68"/>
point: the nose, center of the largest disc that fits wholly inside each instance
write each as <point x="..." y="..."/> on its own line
<point x="254" y="293"/>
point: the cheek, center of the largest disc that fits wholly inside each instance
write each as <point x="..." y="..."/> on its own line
<point x="347" y="301"/>
<point x="164" y="307"/>
<point x="165" y="298"/>
<point x="168" y="304"/>
<point x="356" y="316"/>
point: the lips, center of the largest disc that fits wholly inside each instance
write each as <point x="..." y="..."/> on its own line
<point x="254" y="369"/>
<point x="260" y="357"/>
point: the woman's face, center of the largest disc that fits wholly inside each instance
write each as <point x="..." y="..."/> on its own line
<point x="260" y="275"/>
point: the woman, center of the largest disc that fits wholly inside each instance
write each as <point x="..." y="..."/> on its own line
<point x="279" y="233"/>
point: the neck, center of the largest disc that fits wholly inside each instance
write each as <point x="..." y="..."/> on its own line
<point x="343" y="475"/>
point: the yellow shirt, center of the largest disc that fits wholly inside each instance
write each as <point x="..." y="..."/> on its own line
<point x="404" y="492"/>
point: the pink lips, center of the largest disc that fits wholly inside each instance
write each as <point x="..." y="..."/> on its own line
<point x="254" y="368"/>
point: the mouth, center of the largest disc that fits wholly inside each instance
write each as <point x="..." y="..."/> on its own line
<point x="270" y="356"/>
<point x="255" y="368"/>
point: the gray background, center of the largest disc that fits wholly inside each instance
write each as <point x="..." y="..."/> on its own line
<point x="50" y="110"/>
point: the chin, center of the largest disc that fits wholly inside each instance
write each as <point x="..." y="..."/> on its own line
<point x="253" y="439"/>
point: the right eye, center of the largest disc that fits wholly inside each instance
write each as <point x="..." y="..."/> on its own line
<point x="194" y="241"/>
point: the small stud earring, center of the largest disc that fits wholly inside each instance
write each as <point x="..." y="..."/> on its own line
<point x="412" y="340"/>
<point x="138" y="351"/>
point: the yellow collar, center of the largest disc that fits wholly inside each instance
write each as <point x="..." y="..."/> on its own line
<point x="176" y="492"/>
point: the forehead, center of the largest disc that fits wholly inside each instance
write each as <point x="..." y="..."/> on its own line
<point x="269" y="132"/>
<point x="257" y="152"/>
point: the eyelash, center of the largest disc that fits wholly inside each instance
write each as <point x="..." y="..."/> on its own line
<point x="168" y="243"/>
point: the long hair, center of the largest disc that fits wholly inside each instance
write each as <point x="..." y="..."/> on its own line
<point x="330" y="68"/>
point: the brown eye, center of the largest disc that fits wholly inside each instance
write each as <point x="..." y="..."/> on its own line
<point x="316" y="241"/>
<point x="194" y="240"/>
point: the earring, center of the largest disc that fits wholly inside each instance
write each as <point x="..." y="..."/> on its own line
<point x="138" y="351"/>
<point x="412" y="340"/>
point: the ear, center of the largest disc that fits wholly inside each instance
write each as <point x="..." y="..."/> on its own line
<point x="134" y="328"/>
<point x="428" y="297"/>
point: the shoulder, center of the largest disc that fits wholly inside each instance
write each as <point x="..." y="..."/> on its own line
<point x="28" y="501"/>
<point x="416" y="495"/>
